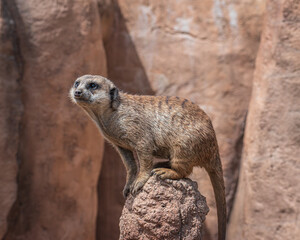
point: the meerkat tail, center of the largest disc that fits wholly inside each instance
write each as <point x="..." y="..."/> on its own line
<point x="216" y="178"/>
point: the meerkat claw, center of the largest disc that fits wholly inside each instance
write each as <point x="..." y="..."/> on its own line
<point x="126" y="191"/>
<point x="158" y="172"/>
<point x="137" y="187"/>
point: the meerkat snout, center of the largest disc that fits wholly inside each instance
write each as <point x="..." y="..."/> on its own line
<point x="77" y="93"/>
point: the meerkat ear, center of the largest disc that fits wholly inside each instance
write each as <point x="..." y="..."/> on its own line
<point x="114" y="98"/>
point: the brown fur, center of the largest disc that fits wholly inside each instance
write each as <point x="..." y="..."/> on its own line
<point x="154" y="126"/>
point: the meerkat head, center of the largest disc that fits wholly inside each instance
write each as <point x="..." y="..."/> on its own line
<point x="95" y="92"/>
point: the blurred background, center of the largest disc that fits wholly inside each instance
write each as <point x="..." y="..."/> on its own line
<point x="237" y="59"/>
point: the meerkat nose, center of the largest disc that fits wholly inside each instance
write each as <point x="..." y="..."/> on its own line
<point x="78" y="93"/>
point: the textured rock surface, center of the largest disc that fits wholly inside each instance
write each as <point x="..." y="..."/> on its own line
<point x="268" y="196"/>
<point x="60" y="148"/>
<point x="201" y="50"/>
<point x="164" y="210"/>
<point x="10" y="108"/>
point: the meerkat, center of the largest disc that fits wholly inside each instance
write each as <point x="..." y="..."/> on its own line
<point x="154" y="126"/>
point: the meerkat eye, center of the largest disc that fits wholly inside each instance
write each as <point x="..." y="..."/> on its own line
<point x="76" y="84"/>
<point x="93" y="86"/>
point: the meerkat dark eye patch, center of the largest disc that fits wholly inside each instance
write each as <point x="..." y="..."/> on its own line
<point x="76" y="84"/>
<point x="93" y="86"/>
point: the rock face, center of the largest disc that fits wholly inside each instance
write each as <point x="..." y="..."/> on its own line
<point x="59" y="148"/>
<point x="164" y="210"/>
<point x="201" y="50"/>
<point x="11" y="109"/>
<point x="268" y="197"/>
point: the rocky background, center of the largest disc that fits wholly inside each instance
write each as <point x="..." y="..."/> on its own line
<point x="239" y="60"/>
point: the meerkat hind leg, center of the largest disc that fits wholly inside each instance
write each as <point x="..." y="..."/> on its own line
<point x="166" y="173"/>
<point x="165" y="164"/>
<point x="179" y="169"/>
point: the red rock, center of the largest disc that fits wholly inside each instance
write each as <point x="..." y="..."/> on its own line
<point x="11" y="109"/>
<point x="60" y="148"/>
<point x="268" y="197"/>
<point x="167" y="210"/>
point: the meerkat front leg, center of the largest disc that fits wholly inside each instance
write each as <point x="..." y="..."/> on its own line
<point x="131" y="168"/>
<point x="146" y="166"/>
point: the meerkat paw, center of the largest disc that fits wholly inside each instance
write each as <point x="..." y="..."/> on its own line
<point x="158" y="171"/>
<point x="138" y="185"/>
<point x="165" y="173"/>
<point x="126" y="191"/>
